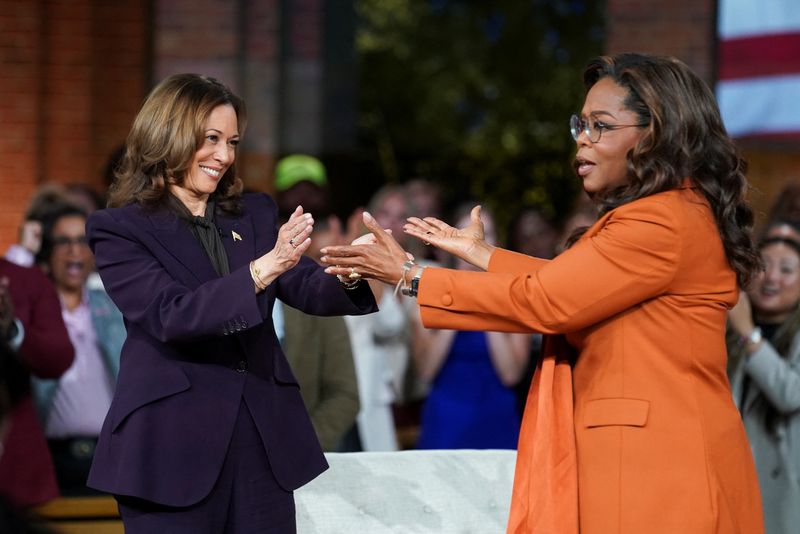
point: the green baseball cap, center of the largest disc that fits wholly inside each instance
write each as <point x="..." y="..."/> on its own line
<point x="297" y="168"/>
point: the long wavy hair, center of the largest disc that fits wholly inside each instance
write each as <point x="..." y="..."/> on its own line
<point x="166" y="134"/>
<point x="684" y="138"/>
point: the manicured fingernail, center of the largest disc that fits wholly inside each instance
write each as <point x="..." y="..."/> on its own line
<point x="329" y="270"/>
<point x="367" y="216"/>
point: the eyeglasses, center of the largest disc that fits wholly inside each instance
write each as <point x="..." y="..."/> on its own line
<point x="594" y="128"/>
<point x="63" y="241"/>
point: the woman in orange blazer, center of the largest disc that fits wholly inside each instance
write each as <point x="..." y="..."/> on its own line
<point x="630" y="426"/>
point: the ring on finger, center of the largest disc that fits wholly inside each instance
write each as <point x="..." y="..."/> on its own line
<point x="291" y="242"/>
<point x="427" y="242"/>
<point x="353" y="274"/>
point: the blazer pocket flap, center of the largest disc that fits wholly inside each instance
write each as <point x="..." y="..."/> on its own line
<point x="169" y="381"/>
<point x="609" y="412"/>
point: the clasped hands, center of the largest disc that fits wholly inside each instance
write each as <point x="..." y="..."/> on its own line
<point x="379" y="256"/>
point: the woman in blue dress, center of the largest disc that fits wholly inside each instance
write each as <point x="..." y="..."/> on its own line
<point x="471" y="403"/>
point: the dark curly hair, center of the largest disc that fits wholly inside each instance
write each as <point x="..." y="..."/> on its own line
<point x="684" y="138"/>
<point x="164" y="138"/>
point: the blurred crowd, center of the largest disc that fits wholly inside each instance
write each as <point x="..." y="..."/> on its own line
<point x="378" y="382"/>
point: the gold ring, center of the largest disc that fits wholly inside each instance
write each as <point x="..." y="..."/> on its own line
<point x="353" y="274"/>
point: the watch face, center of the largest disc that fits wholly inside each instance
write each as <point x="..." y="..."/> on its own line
<point x="755" y="336"/>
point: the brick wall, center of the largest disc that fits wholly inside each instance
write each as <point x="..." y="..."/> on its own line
<point x="685" y="29"/>
<point x="20" y="51"/>
<point x="74" y="73"/>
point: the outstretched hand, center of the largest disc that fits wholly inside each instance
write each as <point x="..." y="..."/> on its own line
<point x="380" y="257"/>
<point x="467" y="243"/>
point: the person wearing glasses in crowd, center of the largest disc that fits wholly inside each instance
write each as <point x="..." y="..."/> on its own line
<point x="73" y="407"/>
<point x="630" y="424"/>
<point x="207" y="431"/>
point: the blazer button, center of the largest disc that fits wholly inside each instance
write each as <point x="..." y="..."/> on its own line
<point x="447" y="300"/>
<point x="241" y="367"/>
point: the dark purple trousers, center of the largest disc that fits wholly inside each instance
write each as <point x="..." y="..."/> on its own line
<point x="246" y="498"/>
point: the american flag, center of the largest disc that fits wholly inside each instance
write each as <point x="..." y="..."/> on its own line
<point x="758" y="87"/>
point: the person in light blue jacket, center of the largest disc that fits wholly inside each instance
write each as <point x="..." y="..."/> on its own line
<point x="72" y="409"/>
<point x="764" y="363"/>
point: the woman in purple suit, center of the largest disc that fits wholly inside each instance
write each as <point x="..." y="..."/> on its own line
<point x="207" y="432"/>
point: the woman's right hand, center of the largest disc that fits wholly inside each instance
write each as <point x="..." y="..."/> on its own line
<point x="293" y="240"/>
<point x="467" y="243"/>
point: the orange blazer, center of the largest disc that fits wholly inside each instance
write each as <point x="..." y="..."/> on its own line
<point x="647" y="438"/>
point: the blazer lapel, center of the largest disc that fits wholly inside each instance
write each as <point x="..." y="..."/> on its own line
<point x="238" y="238"/>
<point x="178" y="240"/>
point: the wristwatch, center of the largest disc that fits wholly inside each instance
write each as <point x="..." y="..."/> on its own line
<point x="413" y="289"/>
<point x="755" y="337"/>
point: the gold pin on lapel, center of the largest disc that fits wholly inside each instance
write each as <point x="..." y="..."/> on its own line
<point x="236" y="237"/>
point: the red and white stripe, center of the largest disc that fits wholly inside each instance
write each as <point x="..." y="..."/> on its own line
<point x="759" y="67"/>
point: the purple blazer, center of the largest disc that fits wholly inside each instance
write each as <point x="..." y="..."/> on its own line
<point x="197" y="343"/>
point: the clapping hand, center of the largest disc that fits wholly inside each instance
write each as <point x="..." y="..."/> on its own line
<point x="293" y="240"/>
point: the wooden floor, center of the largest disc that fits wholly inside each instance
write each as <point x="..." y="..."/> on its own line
<point x="82" y="515"/>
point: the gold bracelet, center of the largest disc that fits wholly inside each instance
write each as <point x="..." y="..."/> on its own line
<point x="254" y="274"/>
<point x="348" y="284"/>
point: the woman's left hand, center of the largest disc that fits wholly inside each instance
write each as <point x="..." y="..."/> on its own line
<point x="381" y="260"/>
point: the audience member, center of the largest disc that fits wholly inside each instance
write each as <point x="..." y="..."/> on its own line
<point x="30" y="232"/>
<point x="12" y="521"/>
<point x="381" y="341"/>
<point x="320" y="353"/>
<point x="787" y="204"/>
<point x="425" y="200"/>
<point x="765" y="378"/>
<point x="534" y="234"/>
<point x="72" y="408"/>
<point x="42" y="349"/>
<point x="84" y="196"/>
<point x="471" y="403"/>
<point x="301" y="180"/>
<point x="583" y="215"/>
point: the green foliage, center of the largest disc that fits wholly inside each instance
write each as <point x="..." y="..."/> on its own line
<point x="476" y="95"/>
